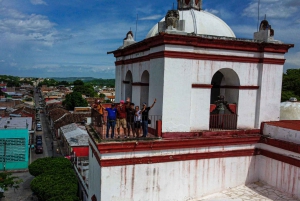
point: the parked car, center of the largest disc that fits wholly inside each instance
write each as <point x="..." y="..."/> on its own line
<point x="38" y="137"/>
<point x="38" y="142"/>
<point x="39" y="149"/>
<point x="39" y="128"/>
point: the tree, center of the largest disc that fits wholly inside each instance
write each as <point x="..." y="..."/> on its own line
<point x="87" y="90"/>
<point x="65" y="83"/>
<point x="78" y="82"/>
<point x="74" y="99"/>
<point x="54" y="179"/>
<point x="291" y="84"/>
<point x="8" y="181"/>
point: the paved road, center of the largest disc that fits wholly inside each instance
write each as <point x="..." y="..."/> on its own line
<point x="24" y="193"/>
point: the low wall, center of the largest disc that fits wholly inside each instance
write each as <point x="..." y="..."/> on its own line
<point x="176" y="181"/>
<point x="283" y="176"/>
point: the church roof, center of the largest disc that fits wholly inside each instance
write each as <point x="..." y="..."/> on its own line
<point x="200" y="22"/>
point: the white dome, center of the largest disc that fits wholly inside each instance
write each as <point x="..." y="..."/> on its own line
<point x="200" y="22"/>
<point x="290" y="110"/>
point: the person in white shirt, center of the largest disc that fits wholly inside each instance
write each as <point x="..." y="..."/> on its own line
<point x="137" y="121"/>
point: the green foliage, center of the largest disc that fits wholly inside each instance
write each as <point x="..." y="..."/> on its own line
<point x="11" y="81"/>
<point x="291" y="84"/>
<point x="65" y="83"/>
<point x="8" y="181"/>
<point x="78" y="82"/>
<point x="74" y="99"/>
<point x="102" y="95"/>
<point x="86" y="89"/>
<point x="103" y="82"/>
<point x="46" y="164"/>
<point x="55" y="179"/>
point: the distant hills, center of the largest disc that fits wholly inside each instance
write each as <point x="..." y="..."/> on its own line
<point x="72" y="79"/>
<point x="88" y="80"/>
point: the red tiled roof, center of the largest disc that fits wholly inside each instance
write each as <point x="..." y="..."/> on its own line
<point x="71" y="118"/>
<point x="289" y="124"/>
<point x="57" y="113"/>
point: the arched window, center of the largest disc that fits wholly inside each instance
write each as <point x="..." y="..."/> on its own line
<point x="145" y="87"/>
<point x="128" y="85"/>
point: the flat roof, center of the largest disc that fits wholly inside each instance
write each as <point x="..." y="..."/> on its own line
<point x="16" y="122"/>
<point x="75" y="135"/>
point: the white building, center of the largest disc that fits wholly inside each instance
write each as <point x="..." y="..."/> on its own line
<point x="186" y="61"/>
<point x="193" y="59"/>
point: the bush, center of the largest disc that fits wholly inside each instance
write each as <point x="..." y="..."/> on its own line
<point x="47" y="164"/>
<point x="55" y="179"/>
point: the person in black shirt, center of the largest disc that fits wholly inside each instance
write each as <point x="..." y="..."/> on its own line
<point x="130" y="119"/>
<point x="145" y="113"/>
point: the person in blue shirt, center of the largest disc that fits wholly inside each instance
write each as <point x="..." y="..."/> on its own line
<point x="111" y="120"/>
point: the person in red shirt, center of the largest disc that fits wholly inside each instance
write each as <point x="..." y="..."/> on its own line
<point x="121" y="119"/>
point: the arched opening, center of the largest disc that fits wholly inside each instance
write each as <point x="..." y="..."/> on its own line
<point x="224" y="99"/>
<point x="145" y="87"/>
<point x="128" y="85"/>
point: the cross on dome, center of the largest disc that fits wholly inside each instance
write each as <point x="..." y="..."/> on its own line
<point x="189" y="4"/>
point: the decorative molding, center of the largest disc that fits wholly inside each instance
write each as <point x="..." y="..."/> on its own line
<point x="196" y="56"/>
<point x="202" y="42"/>
<point x="279" y="157"/>
<point x="289" y="146"/>
<point x="202" y="86"/>
<point x="176" y="157"/>
<point x="177" y="144"/>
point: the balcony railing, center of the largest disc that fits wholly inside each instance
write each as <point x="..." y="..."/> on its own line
<point x="99" y="123"/>
<point x="223" y="122"/>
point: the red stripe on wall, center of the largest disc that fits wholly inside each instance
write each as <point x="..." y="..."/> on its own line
<point x="195" y="56"/>
<point x="199" y="156"/>
<point x="289" y="146"/>
<point x="201" y="42"/>
<point x="173" y="158"/>
<point x="176" y="144"/>
<point x="279" y="157"/>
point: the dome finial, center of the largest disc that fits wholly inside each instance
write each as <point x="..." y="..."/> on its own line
<point x="189" y="4"/>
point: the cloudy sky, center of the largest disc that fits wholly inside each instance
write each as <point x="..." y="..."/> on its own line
<point x="67" y="38"/>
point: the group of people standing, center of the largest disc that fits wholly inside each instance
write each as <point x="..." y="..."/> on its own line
<point x="125" y="115"/>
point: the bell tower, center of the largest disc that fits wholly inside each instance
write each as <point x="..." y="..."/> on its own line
<point x="189" y="4"/>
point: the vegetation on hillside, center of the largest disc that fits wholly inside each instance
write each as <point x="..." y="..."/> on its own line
<point x="54" y="179"/>
<point x="291" y="84"/>
<point x="102" y="82"/>
<point x="13" y="81"/>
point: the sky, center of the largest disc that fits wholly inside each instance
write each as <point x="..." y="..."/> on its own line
<point x="71" y="38"/>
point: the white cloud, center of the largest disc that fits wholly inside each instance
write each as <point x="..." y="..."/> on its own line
<point x="272" y="8"/>
<point x="213" y="11"/>
<point x="38" y="2"/>
<point x="152" y="17"/>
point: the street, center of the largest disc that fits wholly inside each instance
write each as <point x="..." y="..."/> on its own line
<point x="24" y="192"/>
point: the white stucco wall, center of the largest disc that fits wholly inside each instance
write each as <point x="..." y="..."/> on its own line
<point x="177" y="95"/>
<point x="282" y="133"/>
<point x="176" y="181"/>
<point x="185" y="109"/>
<point x="283" y="176"/>
<point x="269" y="93"/>
<point x="94" y="176"/>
